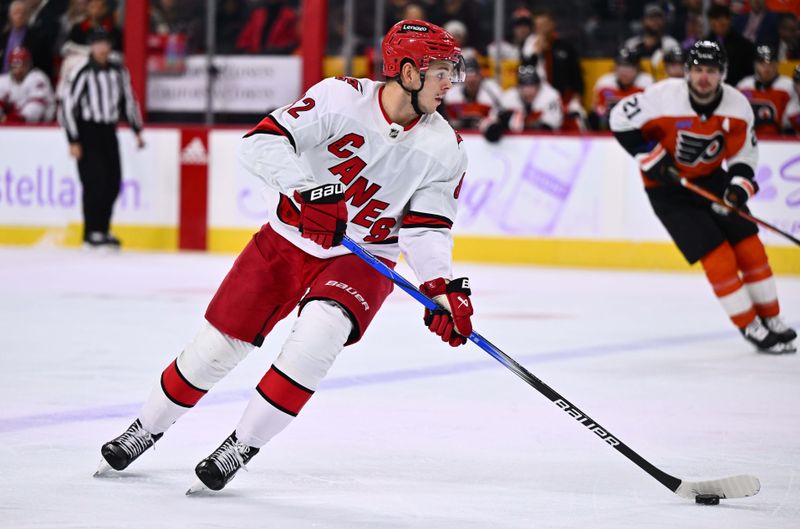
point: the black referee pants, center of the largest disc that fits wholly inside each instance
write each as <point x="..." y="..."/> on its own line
<point x="100" y="173"/>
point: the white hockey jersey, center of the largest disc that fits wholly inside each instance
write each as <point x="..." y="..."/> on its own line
<point x="30" y="101"/>
<point x="546" y="109"/>
<point x="464" y="112"/>
<point x="401" y="182"/>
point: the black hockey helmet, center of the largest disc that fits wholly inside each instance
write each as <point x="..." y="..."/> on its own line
<point x="766" y="54"/>
<point x="674" y="56"/>
<point x="707" y="52"/>
<point x="627" y="57"/>
<point x="527" y="75"/>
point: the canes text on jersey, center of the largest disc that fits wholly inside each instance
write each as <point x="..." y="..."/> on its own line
<point x="359" y="190"/>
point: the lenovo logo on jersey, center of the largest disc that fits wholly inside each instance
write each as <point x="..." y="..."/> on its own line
<point x="414" y="27"/>
<point x="694" y="148"/>
<point x="578" y="415"/>
<point x="350" y="290"/>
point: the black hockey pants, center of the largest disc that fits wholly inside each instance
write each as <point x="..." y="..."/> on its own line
<point x="100" y="173"/>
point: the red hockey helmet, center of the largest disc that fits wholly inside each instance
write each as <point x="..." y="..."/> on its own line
<point x="422" y="43"/>
<point x="19" y="55"/>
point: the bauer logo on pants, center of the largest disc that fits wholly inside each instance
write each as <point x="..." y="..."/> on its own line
<point x="350" y="290"/>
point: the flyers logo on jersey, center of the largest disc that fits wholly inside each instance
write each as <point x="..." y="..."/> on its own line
<point x="693" y="148"/>
<point x="764" y="111"/>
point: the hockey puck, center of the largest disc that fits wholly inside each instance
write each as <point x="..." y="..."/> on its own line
<point x="707" y="499"/>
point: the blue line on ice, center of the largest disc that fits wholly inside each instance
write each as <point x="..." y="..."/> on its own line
<point x="14" y="424"/>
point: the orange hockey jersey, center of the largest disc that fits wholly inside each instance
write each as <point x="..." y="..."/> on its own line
<point x="769" y="102"/>
<point x="698" y="144"/>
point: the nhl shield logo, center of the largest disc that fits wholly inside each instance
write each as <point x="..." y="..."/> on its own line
<point x="694" y="148"/>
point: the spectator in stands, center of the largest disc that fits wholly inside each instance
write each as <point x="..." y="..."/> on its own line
<point x="76" y="12"/>
<point x="759" y="26"/>
<point x="740" y="51"/>
<point x="521" y="32"/>
<point x="532" y="105"/>
<point x="394" y="12"/>
<point x="688" y="24"/>
<point x="16" y="34"/>
<point x="769" y="93"/>
<point x="97" y="17"/>
<point x="271" y="29"/>
<point x="793" y="109"/>
<point x="461" y="34"/>
<point x="789" y="45"/>
<point x="44" y="23"/>
<point x="470" y="102"/>
<point x="26" y="95"/>
<point x="653" y="41"/>
<point x="626" y="79"/>
<point x="465" y="11"/>
<point x="414" y="12"/>
<point x="674" y="60"/>
<point x="559" y="65"/>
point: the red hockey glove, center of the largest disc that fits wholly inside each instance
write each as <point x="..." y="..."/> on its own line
<point x="452" y="322"/>
<point x="740" y="189"/>
<point x="658" y="165"/>
<point x="323" y="214"/>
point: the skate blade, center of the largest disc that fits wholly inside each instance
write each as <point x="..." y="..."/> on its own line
<point x="102" y="468"/>
<point x="197" y="487"/>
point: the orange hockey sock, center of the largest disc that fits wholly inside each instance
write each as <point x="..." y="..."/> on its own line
<point x="722" y="272"/>
<point x="757" y="274"/>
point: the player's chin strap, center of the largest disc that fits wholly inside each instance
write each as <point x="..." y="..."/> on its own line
<point x="414" y="93"/>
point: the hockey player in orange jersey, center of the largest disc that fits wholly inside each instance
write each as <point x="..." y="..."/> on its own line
<point x="688" y="128"/>
<point x="769" y="94"/>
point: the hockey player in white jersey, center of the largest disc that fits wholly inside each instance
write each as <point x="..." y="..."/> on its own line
<point x="532" y="105"/>
<point x="374" y="159"/>
<point x="26" y="95"/>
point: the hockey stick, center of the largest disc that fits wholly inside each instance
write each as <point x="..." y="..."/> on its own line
<point x="716" y="200"/>
<point x="731" y="487"/>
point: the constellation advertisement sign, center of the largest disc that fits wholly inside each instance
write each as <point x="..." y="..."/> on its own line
<point x="39" y="184"/>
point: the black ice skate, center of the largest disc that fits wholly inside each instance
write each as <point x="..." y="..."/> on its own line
<point x="764" y="339"/>
<point x="785" y="333"/>
<point x="218" y="469"/>
<point x="123" y="450"/>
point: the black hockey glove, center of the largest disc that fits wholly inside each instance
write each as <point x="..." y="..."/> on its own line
<point x="740" y="189"/>
<point x="658" y="166"/>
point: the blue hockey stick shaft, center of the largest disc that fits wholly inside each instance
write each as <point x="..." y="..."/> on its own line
<point x="671" y="482"/>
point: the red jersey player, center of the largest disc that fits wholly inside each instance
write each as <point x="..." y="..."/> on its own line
<point x="374" y="159"/>
<point x="769" y="93"/>
<point x="690" y="127"/>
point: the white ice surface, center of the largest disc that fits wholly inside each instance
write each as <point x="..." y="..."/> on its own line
<point x="406" y="433"/>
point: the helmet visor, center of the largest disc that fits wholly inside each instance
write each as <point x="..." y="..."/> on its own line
<point x="453" y="68"/>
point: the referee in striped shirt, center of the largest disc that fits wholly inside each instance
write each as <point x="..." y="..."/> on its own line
<point x="97" y="93"/>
